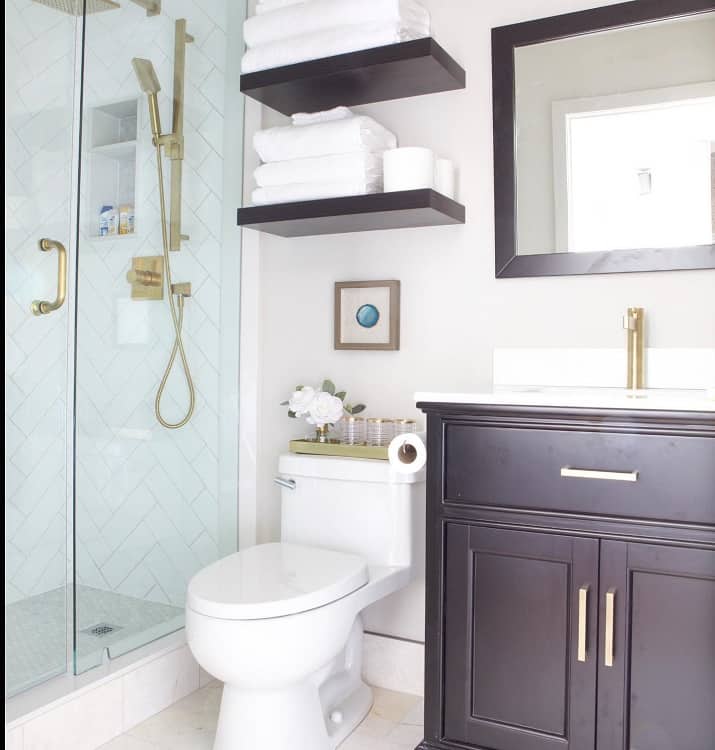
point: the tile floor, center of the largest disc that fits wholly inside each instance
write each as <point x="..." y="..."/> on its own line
<point x="36" y="634"/>
<point x="395" y="723"/>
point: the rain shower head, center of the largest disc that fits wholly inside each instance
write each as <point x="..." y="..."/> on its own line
<point x="75" y="7"/>
<point x="149" y="84"/>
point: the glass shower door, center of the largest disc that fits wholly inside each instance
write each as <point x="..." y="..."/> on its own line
<point x="42" y="40"/>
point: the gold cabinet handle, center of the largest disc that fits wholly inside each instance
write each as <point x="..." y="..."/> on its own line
<point x="43" y="307"/>
<point x="581" y="654"/>
<point x="608" y="634"/>
<point x="614" y="476"/>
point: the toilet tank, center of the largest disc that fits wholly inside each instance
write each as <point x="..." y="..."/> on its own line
<point x="351" y="505"/>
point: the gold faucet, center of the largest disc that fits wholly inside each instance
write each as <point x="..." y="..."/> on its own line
<point x="633" y="322"/>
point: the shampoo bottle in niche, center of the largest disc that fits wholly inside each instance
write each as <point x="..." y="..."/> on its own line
<point x="108" y="221"/>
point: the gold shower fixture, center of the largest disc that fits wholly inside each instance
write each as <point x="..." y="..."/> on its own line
<point x="173" y="145"/>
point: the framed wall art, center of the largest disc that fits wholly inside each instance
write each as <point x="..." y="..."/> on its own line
<point x="367" y="315"/>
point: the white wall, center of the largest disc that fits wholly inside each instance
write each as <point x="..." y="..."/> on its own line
<point x="454" y="312"/>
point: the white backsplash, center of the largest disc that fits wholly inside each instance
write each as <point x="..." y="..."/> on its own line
<point x="602" y="368"/>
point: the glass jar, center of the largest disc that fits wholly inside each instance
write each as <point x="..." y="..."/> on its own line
<point x="353" y="431"/>
<point x="405" y="427"/>
<point x="380" y="431"/>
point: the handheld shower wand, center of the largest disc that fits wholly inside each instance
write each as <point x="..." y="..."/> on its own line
<point x="149" y="83"/>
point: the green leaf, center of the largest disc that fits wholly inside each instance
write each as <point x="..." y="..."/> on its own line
<point x="292" y="414"/>
<point x="341" y="395"/>
<point x="329" y="387"/>
<point x="358" y="408"/>
<point x="285" y="403"/>
<point x="348" y="408"/>
<point x="299" y="387"/>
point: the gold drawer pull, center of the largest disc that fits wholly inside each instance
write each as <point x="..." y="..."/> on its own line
<point x="613" y="476"/>
<point x="582" y="619"/>
<point x="608" y="634"/>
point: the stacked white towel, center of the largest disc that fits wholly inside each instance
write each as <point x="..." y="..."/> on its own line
<point x="284" y="32"/>
<point x="333" y="154"/>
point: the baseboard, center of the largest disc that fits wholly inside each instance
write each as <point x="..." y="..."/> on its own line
<point x="393" y="664"/>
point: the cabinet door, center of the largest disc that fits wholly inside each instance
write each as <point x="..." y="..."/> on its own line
<point x="659" y="693"/>
<point x="514" y="678"/>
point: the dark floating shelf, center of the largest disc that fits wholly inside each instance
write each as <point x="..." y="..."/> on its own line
<point x="395" y="71"/>
<point x="359" y="213"/>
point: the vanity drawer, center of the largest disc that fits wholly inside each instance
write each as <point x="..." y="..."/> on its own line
<point x="658" y="477"/>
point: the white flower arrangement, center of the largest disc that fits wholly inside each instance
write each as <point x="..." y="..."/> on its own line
<point x="320" y="407"/>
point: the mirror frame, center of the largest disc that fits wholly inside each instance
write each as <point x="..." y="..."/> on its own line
<point x="505" y="39"/>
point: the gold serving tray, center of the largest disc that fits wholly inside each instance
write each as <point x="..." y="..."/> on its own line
<point x="338" y="449"/>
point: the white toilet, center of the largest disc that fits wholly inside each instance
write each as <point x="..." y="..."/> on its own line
<point x="279" y="624"/>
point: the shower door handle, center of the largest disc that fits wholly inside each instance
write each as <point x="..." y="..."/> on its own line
<point x="43" y="307"/>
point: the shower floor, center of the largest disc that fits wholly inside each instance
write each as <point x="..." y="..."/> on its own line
<point x="36" y="632"/>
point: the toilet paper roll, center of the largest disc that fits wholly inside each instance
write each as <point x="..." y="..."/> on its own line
<point x="410" y="168"/>
<point x="408" y="453"/>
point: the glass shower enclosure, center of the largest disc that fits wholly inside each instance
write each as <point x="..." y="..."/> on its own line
<point x="108" y="512"/>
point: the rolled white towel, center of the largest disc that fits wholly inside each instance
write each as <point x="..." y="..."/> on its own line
<point x="327" y="43"/>
<point x="322" y="139"/>
<point x="361" y="165"/>
<point x="317" y="15"/>
<point x="312" y="191"/>
<point x="309" y="118"/>
<point x="266" y="6"/>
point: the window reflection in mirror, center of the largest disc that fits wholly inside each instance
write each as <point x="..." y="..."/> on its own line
<point x="615" y="135"/>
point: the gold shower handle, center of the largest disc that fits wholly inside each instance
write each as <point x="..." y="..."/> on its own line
<point x="43" y="307"/>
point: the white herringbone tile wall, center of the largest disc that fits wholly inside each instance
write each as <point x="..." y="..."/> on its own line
<point x="147" y="509"/>
<point x="39" y="97"/>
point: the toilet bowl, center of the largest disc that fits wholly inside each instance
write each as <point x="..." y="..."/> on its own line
<point x="279" y="624"/>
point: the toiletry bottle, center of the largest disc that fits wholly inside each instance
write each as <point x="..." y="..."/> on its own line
<point x="112" y="221"/>
<point x="104" y="221"/>
<point x="124" y="219"/>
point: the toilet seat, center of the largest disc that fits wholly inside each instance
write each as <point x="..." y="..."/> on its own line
<point x="274" y="580"/>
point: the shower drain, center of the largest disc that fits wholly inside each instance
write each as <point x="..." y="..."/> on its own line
<point x="102" y="629"/>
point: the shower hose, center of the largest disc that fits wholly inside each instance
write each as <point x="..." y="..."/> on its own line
<point x="177" y="317"/>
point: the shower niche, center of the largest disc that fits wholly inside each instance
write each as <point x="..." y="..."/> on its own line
<point x="112" y="150"/>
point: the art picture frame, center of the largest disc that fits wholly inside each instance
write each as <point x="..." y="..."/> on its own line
<point x="367" y="315"/>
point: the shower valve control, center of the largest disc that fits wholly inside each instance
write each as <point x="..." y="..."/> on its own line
<point x="147" y="278"/>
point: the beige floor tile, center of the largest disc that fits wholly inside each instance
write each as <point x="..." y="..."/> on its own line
<point x="393" y="706"/>
<point x="393" y="724"/>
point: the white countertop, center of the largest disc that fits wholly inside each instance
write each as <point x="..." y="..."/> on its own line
<point x="588" y="398"/>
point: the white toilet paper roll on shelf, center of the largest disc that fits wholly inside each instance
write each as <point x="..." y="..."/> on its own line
<point x="408" y="453"/>
<point x="410" y="168"/>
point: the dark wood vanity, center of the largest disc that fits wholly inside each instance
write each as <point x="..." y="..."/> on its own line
<point x="570" y="579"/>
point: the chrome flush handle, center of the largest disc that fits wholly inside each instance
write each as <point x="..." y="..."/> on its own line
<point x="289" y="484"/>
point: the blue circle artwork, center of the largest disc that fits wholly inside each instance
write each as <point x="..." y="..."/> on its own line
<point x="367" y="316"/>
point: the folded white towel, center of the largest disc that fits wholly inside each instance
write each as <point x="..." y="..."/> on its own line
<point x="266" y="6"/>
<point x="312" y="191"/>
<point x="308" y="118"/>
<point x="322" y="139"/>
<point x="327" y="43"/>
<point x="361" y="165"/>
<point x="317" y="15"/>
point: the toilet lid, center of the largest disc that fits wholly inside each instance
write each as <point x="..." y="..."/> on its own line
<point x="273" y="580"/>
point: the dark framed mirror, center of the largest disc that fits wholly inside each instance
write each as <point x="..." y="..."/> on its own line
<point x="604" y="140"/>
